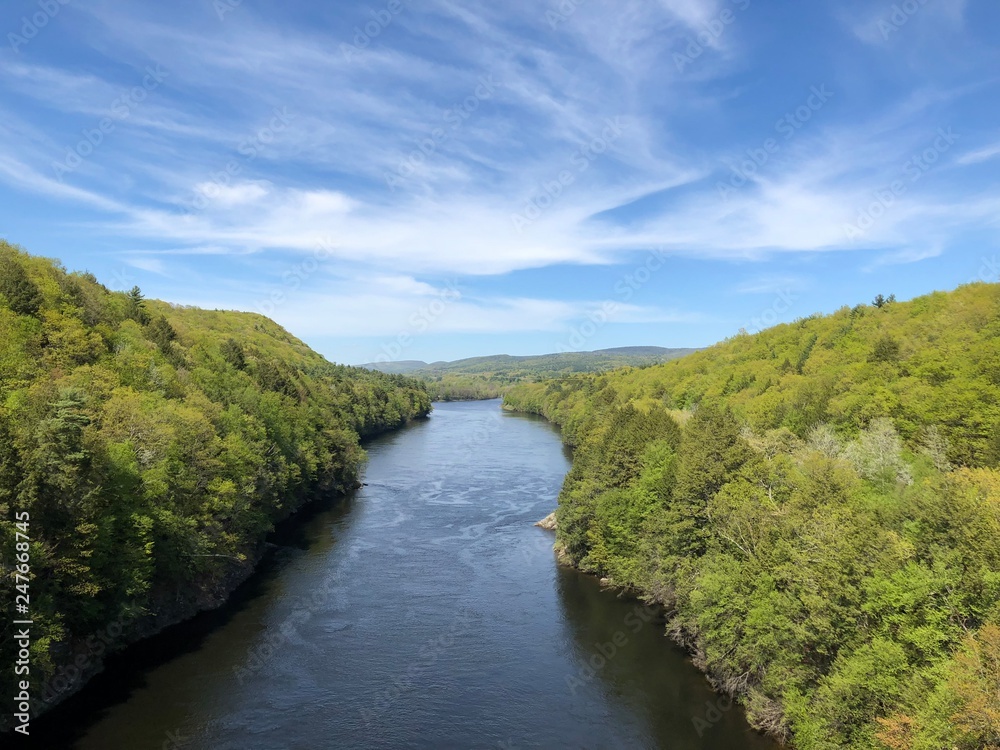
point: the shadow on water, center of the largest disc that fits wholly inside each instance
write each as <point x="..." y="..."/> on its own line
<point x="126" y="672"/>
<point x="617" y="639"/>
<point x="566" y="450"/>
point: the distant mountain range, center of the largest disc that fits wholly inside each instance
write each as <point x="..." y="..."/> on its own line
<point x="622" y="356"/>
<point x="488" y="377"/>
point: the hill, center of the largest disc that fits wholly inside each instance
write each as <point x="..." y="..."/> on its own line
<point x="145" y="452"/>
<point x="818" y="506"/>
<point x="490" y="377"/>
<point x="402" y="367"/>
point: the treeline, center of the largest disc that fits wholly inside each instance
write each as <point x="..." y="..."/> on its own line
<point x="153" y="447"/>
<point x="481" y="378"/>
<point x="464" y="387"/>
<point x="819" y="508"/>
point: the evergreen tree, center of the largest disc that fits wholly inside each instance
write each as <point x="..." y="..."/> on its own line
<point x="21" y="292"/>
<point x="887" y="349"/>
<point x="143" y="481"/>
<point x="162" y="333"/>
<point x="60" y="454"/>
<point x="232" y="352"/>
<point x="712" y="451"/>
<point x="136" y="308"/>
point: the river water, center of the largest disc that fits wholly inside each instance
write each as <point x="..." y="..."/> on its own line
<point x="425" y="611"/>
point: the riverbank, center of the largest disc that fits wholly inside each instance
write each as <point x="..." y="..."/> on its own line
<point x="85" y="657"/>
<point x="146" y="451"/>
<point x="817" y="509"/>
<point x="440" y="613"/>
<point x="732" y="689"/>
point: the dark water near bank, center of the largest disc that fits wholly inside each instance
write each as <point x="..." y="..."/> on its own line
<point x="424" y="612"/>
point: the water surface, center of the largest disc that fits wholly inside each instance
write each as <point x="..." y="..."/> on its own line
<point x="425" y="611"/>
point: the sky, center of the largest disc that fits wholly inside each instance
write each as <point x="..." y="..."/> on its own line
<point x="399" y="180"/>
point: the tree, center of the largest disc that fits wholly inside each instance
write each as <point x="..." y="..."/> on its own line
<point x="142" y="481"/>
<point x="232" y="352"/>
<point x="10" y="465"/>
<point x="21" y="292"/>
<point x="712" y="451"/>
<point x="992" y="457"/>
<point x="136" y="307"/>
<point x="877" y="454"/>
<point x="975" y="680"/>
<point x="887" y="349"/>
<point x="935" y="447"/>
<point x="826" y="582"/>
<point x="61" y="453"/>
<point x="162" y="333"/>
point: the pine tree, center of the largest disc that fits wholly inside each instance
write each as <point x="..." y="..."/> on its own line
<point x="22" y="295"/>
<point x="232" y="352"/>
<point x="162" y="333"/>
<point x="712" y="451"/>
<point x="61" y="452"/>
<point x="887" y="349"/>
<point x="137" y="306"/>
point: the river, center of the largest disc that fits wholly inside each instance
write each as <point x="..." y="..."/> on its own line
<point x="424" y="611"/>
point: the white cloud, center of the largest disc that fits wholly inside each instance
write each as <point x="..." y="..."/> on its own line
<point x="229" y="196"/>
<point x="322" y="178"/>
<point x="153" y="265"/>
<point x="904" y="257"/>
<point x="18" y="173"/>
<point x="375" y="315"/>
<point x="884" y="23"/>
<point x="695" y="13"/>
<point x="770" y="284"/>
<point x="983" y="154"/>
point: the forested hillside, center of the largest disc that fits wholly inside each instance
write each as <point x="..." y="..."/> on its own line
<point x="819" y="507"/>
<point x="489" y="377"/>
<point x="153" y="447"/>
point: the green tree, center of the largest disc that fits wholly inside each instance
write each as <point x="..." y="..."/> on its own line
<point x="887" y="349"/>
<point x="712" y="452"/>
<point x="232" y="352"/>
<point x="22" y="294"/>
<point x="162" y="333"/>
<point x="150" y="487"/>
<point x="838" y="579"/>
<point x="975" y="681"/>
<point x="136" y="306"/>
<point x="61" y="455"/>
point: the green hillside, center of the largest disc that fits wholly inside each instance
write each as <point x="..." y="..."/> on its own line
<point x="490" y="377"/>
<point x="152" y="447"/>
<point x="402" y="367"/>
<point x="819" y="507"/>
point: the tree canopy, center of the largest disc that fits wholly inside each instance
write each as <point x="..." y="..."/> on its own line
<point x="818" y="506"/>
<point x="154" y="446"/>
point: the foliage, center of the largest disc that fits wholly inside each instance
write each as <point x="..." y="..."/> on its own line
<point x="154" y="447"/>
<point x="21" y="294"/>
<point x="826" y="534"/>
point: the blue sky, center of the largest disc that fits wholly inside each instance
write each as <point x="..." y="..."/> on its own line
<point x="435" y="180"/>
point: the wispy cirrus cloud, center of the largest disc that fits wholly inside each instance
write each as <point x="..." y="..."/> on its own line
<point x="410" y="155"/>
<point x="981" y="155"/>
